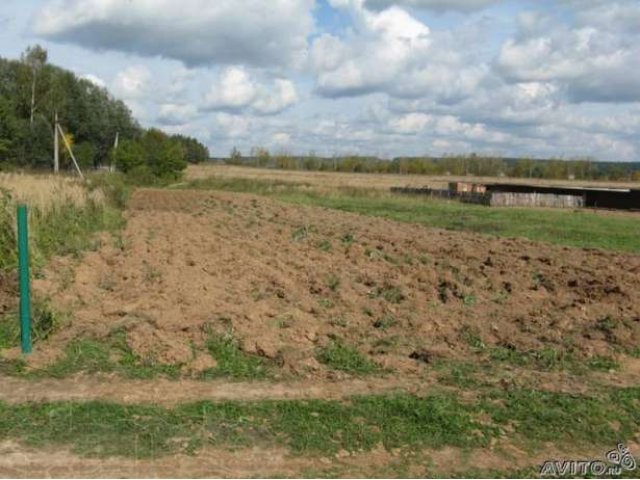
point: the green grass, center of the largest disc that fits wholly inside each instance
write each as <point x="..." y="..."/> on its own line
<point x="323" y="427"/>
<point x="314" y="426"/>
<point x="547" y="416"/>
<point x="232" y="362"/>
<point x="577" y="228"/>
<point x="549" y="359"/>
<point x="109" y="355"/>
<point x="112" y="355"/>
<point x="346" y="358"/>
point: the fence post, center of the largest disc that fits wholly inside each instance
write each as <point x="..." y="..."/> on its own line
<point x="23" y="268"/>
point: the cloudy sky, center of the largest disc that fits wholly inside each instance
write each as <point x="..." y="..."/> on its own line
<point x="384" y="77"/>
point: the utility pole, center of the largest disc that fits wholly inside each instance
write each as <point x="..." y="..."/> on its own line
<point x="66" y="143"/>
<point x="56" y="147"/>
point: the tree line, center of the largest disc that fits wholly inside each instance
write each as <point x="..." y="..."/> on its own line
<point x="33" y="91"/>
<point x="458" y="165"/>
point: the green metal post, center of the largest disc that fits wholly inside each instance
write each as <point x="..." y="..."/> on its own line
<point x="23" y="267"/>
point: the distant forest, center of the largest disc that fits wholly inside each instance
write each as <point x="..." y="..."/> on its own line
<point x="32" y="91"/>
<point x="458" y="165"/>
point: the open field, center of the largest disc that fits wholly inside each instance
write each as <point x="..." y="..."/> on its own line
<point x="234" y="334"/>
<point x="611" y="230"/>
<point x="366" y="180"/>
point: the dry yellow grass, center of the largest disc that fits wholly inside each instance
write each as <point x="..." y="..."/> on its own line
<point x="366" y="180"/>
<point x="46" y="192"/>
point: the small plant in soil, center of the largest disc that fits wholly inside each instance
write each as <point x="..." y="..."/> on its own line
<point x="390" y="293"/>
<point x="469" y="300"/>
<point x="333" y="282"/>
<point x="151" y="274"/>
<point x="326" y="303"/>
<point x="602" y="362"/>
<point x="324" y="245"/>
<point x="346" y="358"/>
<point x="340" y="321"/>
<point x="302" y="233"/>
<point x="385" y="322"/>
<point x="391" y="259"/>
<point x="471" y="337"/>
<point x="347" y="239"/>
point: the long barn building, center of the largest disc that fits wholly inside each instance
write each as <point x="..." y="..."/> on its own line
<point x="531" y="195"/>
<point x="544" y="195"/>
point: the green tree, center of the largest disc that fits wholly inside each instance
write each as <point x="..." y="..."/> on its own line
<point x="153" y="156"/>
<point x="194" y="151"/>
<point x="235" y="157"/>
<point x="34" y="57"/>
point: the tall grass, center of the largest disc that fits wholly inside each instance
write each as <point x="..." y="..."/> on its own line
<point x="46" y="192"/>
<point x="63" y="213"/>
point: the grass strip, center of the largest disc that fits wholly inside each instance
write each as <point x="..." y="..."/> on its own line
<point x="323" y="427"/>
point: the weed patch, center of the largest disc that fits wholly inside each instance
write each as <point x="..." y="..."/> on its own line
<point x="44" y="321"/>
<point x="232" y="361"/>
<point x="390" y="293"/>
<point x="110" y="355"/>
<point x="345" y="358"/>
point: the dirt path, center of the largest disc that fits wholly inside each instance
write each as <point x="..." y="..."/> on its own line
<point x="172" y="392"/>
<point x="18" y="461"/>
<point x="168" y="393"/>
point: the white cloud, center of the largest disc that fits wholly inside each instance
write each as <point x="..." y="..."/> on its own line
<point x="233" y="126"/>
<point x="616" y="17"/>
<point x="383" y="46"/>
<point x="281" y="138"/>
<point x="588" y="62"/>
<point x="276" y="98"/>
<point x="437" y="5"/>
<point x="410" y="123"/>
<point x="179" y="82"/>
<point x="236" y="90"/>
<point x="196" y="32"/>
<point x="176" y="114"/>
<point x="133" y="82"/>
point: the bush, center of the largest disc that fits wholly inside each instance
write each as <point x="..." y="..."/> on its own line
<point x="153" y="157"/>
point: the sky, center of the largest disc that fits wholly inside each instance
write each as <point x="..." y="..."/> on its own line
<point x="539" y="78"/>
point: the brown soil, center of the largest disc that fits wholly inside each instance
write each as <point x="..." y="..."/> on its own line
<point x="402" y="294"/>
